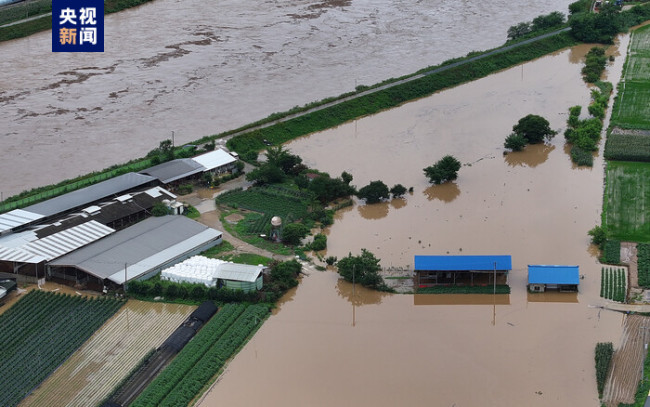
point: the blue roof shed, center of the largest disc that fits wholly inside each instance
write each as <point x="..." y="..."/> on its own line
<point x="553" y="274"/>
<point x="463" y="263"/>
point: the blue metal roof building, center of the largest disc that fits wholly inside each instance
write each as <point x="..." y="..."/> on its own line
<point x="541" y="277"/>
<point x="462" y="270"/>
<point x="463" y="263"/>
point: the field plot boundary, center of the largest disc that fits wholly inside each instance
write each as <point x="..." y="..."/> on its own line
<point x="92" y="372"/>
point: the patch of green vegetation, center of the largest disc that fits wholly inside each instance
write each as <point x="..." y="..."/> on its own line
<point x="613" y="285"/>
<point x="248" y="258"/>
<point x="628" y="147"/>
<point x="603" y="357"/>
<point x="465" y="289"/>
<point x="273" y="200"/>
<point x="643" y="256"/>
<point x="582" y="157"/>
<point x="215" y="251"/>
<point x="239" y="230"/>
<point x="632" y="106"/>
<point x="611" y="252"/>
<point x="22" y="10"/>
<point x="191" y="212"/>
<point x="627" y="201"/>
<point x="595" y="61"/>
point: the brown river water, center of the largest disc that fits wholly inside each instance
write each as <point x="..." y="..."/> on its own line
<point x="197" y="70"/>
<point x="328" y="346"/>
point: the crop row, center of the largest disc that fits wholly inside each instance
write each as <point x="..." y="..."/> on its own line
<point x="603" y="356"/>
<point x="189" y="356"/>
<point x="40" y="332"/>
<point x="214" y="359"/>
<point x="257" y="201"/>
<point x="628" y="147"/>
<point x="643" y="263"/>
<point x="613" y="285"/>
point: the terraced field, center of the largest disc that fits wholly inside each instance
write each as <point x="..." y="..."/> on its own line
<point x="94" y="370"/>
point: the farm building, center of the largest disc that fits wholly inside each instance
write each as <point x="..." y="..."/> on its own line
<point x="175" y="171"/>
<point x="27" y="251"/>
<point x="217" y="161"/>
<point x="553" y="277"/>
<point x="461" y="270"/>
<point x="216" y="273"/>
<point x="137" y="252"/>
<point x="19" y="219"/>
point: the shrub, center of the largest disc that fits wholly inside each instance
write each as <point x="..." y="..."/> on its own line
<point x="319" y="243"/>
<point x="398" y="190"/>
<point x="293" y="233"/>
<point x="185" y="189"/>
<point x="598" y="235"/>
<point x="374" y="192"/>
<point x="582" y="157"/>
<point x="533" y="128"/>
<point x="515" y="142"/>
<point x="330" y="260"/>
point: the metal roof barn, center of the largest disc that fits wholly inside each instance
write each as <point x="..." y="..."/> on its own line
<point x="214" y="159"/>
<point x="16" y="218"/>
<point x="463" y="263"/>
<point x="553" y="274"/>
<point x="174" y="170"/>
<point x="144" y="248"/>
<point x="85" y="196"/>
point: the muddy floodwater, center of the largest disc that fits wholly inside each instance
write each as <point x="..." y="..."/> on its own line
<point x="197" y="70"/>
<point x="327" y="346"/>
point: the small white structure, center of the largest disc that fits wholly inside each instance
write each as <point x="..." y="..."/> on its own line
<point x="276" y="228"/>
<point x="216" y="273"/>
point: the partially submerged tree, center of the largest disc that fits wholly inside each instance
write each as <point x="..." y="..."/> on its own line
<point x="374" y="192"/>
<point x="446" y="169"/>
<point x="398" y="190"/>
<point x="363" y="269"/>
<point x="535" y="129"/>
<point x="515" y="142"/>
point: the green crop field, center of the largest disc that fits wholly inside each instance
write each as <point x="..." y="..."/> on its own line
<point x="628" y="147"/>
<point x="204" y="356"/>
<point x="271" y="201"/>
<point x="632" y="106"/>
<point x="40" y="332"/>
<point x="627" y="201"/>
<point x="613" y="283"/>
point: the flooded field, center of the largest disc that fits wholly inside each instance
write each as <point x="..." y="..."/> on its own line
<point x="202" y="70"/>
<point x="368" y="348"/>
<point x="92" y="372"/>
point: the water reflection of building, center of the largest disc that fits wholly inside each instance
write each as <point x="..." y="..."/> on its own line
<point x="461" y="270"/>
<point x="461" y="299"/>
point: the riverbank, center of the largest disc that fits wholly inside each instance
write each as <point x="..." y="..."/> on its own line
<point x="336" y="111"/>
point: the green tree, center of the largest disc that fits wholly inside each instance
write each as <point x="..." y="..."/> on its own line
<point x="266" y="173"/>
<point x="285" y="274"/>
<point x="518" y="30"/>
<point x="363" y="269"/>
<point x="319" y="243"/>
<point x="293" y="233"/>
<point x="166" y="150"/>
<point x="598" y="235"/>
<point x="159" y="209"/>
<point x="282" y="159"/>
<point x="515" y="142"/>
<point x="346" y="177"/>
<point x="535" y="129"/>
<point x="327" y="189"/>
<point x="374" y="192"/>
<point x="446" y="169"/>
<point x="398" y="190"/>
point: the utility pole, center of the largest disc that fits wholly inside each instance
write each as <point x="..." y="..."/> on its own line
<point x="645" y="350"/>
<point x="494" y="296"/>
<point x="125" y="278"/>
<point x="173" y="139"/>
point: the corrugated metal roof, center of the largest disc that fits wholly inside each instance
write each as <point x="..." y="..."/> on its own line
<point x="238" y="272"/>
<point x="214" y="159"/>
<point x="17" y="217"/>
<point x="66" y="241"/>
<point x="175" y="169"/>
<point x="463" y="263"/>
<point x="143" y="246"/>
<point x="19" y="255"/>
<point x="553" y="274"/>
<point x="93" y="193"/>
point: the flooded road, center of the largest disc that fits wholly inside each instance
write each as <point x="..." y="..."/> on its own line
<point x="328" y="347"/>
<point x="196" y="70"/>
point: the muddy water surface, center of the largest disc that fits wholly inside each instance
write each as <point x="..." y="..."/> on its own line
<point x="367" y="348"/>
<point x="182" y="67"/>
